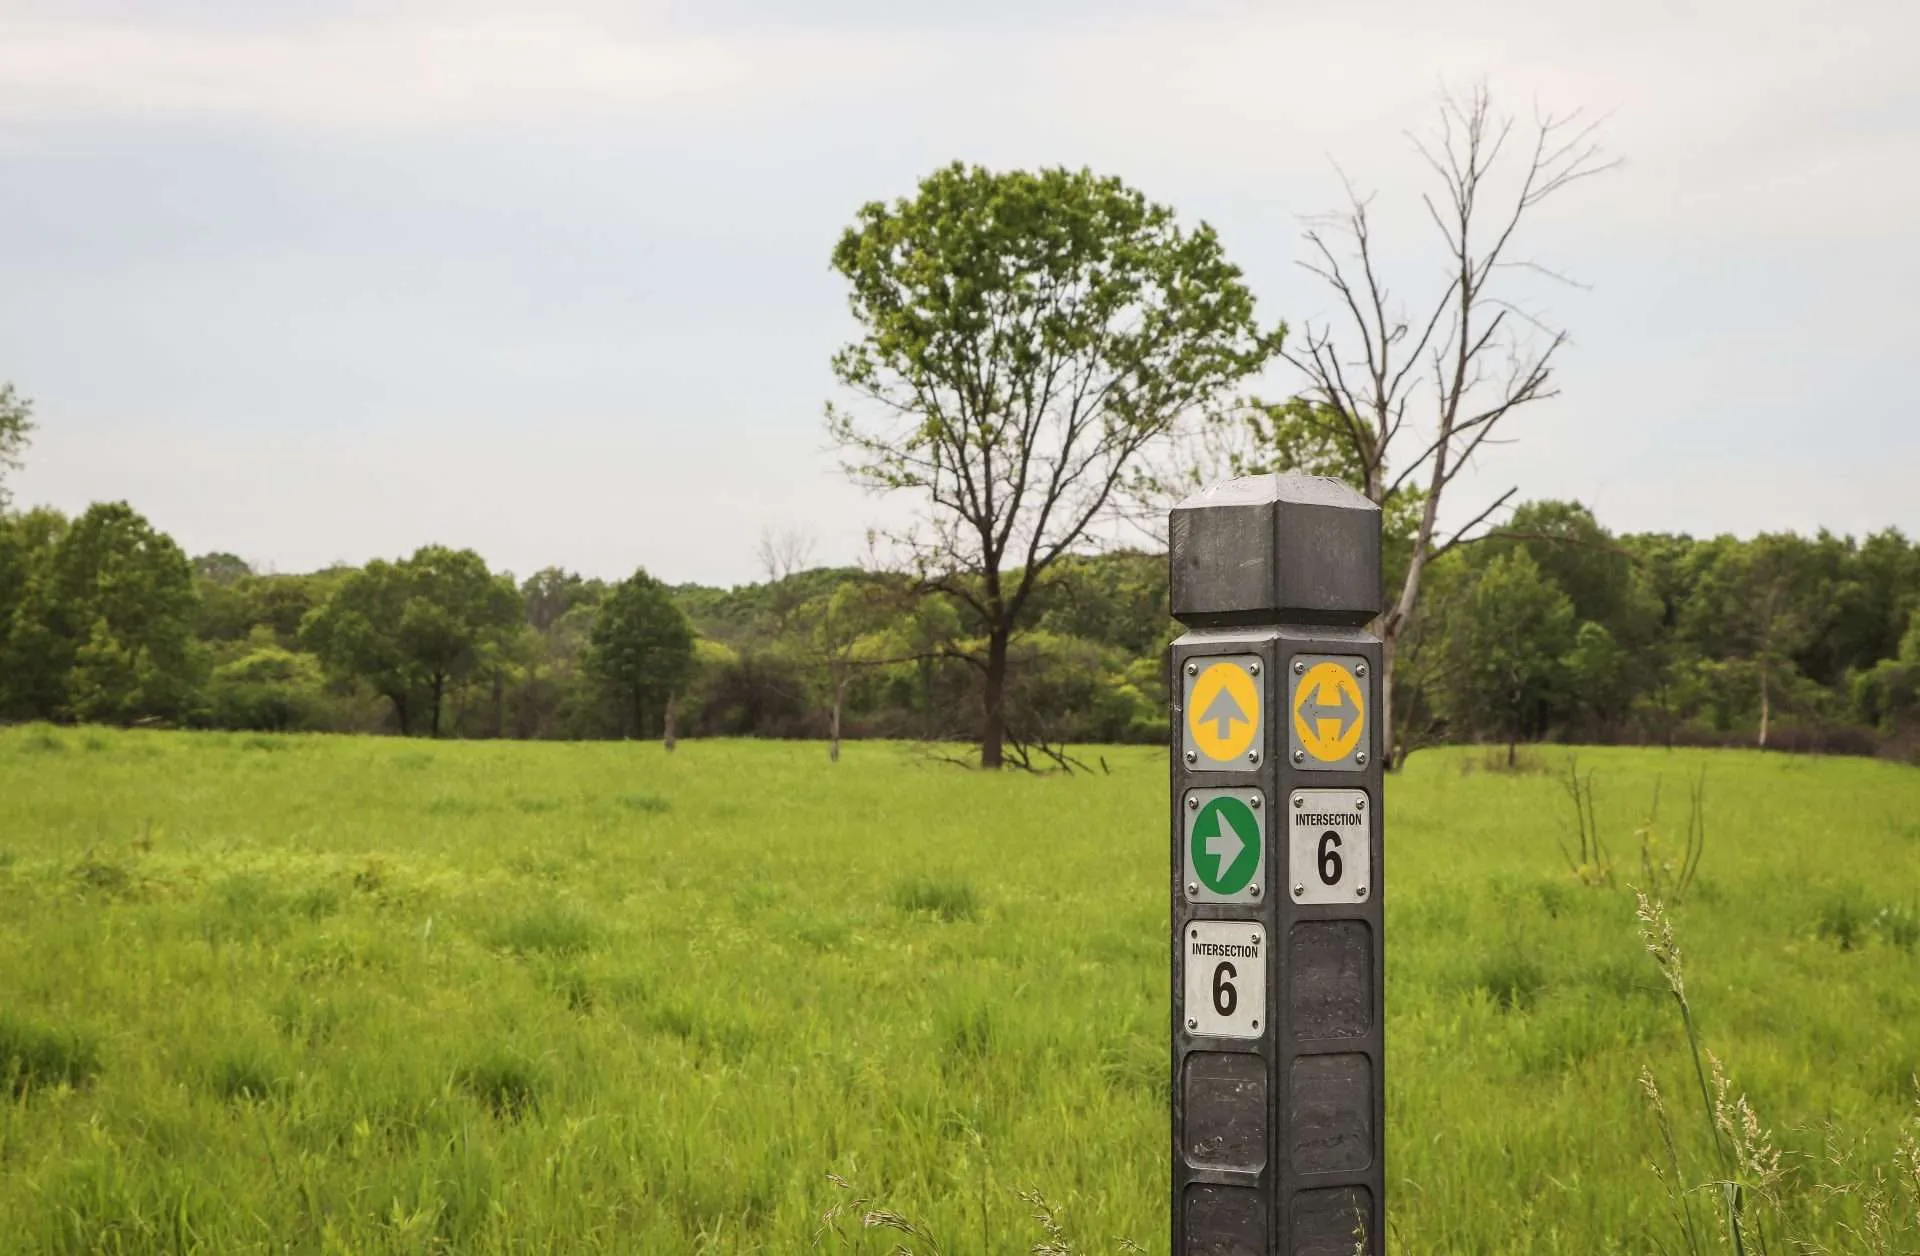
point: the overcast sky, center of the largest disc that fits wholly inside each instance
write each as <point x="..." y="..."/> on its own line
<point x="328" y="281"/>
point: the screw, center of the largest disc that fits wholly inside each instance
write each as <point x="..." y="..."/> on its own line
<point x="1361" y="758"/>
<point x="1193" y="804"/>
<point x="1189" y="756"/>
<point x="1359" y="891"/>
<point x="1193" y="669"/>
<point x="1360" y="803"/>
<point x="1299" y="756"/>
<point x="1194" y="934"/>
<point x="1254" y="802"/>
<point x="1192" y="1023"/>
<point x="1253" y="756"/>
<point x="1299" y="801"/>
<point x="1361" y="670"/>
<point x="1256" y="1024"/>
<point x="1253" y="669"/>
<point x="1254" y="891"/>
<point x="1192" y="888"/>
<point x="1256" y="939"/>
<point x="1299" y="668"/>
<point x="1298" y="889"/>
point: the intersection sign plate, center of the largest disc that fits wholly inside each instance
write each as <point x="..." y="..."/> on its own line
<point x="1226" y="846"/>
<point x="1225" y="713"/>
<point x="1327" y="721"/>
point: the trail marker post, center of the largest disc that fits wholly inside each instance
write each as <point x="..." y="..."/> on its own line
<point x="1279" y="1111"/>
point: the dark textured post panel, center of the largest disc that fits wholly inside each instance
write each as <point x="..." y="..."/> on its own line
<point x="1279" y="1097"/>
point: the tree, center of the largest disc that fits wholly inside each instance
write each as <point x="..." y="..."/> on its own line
<point x="1473" y="349"/>
<point x="1508" y="649"/>
<point x="843" y="631"/>
<point x="104" y="625"/>
<point x="640" y="652"/>
<point x="552" y="591"/>
<point x="412" y="628"/>
<point x="16" y="426"/>
<point x="1025" y="337"/>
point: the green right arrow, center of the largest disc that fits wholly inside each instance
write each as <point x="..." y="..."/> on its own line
<point x="1226" y="837"/>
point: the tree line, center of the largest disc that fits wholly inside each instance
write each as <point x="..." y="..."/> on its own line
<point x="1551" y="627"/>
<point x="1044" y="359"/>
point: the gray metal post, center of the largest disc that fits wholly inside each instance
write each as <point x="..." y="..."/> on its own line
<point x="1279" y="1105"/>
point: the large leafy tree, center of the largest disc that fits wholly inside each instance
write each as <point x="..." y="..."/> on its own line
<point x="1508" y="644"/>
<point x="1025" y="339"/>
<point x="103" y="626"/>
<point x="640" y="652"/>
<point x="412" y="629"/>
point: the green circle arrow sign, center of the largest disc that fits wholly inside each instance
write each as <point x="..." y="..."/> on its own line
<point x="1226" y="845"/>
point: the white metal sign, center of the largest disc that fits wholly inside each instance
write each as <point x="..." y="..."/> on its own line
<point x="1226" y="978"/>
<point x="1329" y="845"/>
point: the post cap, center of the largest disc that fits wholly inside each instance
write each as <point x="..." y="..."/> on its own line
<point x="1280" y="547"/>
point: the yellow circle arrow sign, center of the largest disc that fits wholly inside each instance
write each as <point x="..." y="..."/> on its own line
<point x="1329" y="711"/>
<point x="1223" y="714"/>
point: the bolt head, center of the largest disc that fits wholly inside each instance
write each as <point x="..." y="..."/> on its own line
<point x="1193" y="804"/>
<point x="1360" y="757"/>
<point x="1193" y="669"/>
<point x="1298" y="802"/>
<point x="1190" y="756"/>
<point x="1298" y="889"/>
<point x="1299" y="756"/>
<point x="1192" y="1023"/>
<point x="1253" y="891"/>
<point x="1253" y="756"/>
<point x="1253" y="801"/>
<point x="1360" y="670"/>
<point x="1360" y="803"/>
<point x="1253" y="669"/>
<point x="1299" y="668"/>
<point x="1193" y="887"/>
<point x="1359" y="891"/>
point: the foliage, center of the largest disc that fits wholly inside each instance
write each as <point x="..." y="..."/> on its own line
<point x="102" y="625"/>
<point x="1025" y="338"/>
<point x="16" y="427"/>
<point x="1508" y="650"/>
<point x="641" y="652"/>
<point x="414" y="627"/>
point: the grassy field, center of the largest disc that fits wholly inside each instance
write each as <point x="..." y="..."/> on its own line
<point x="356" y="995"/>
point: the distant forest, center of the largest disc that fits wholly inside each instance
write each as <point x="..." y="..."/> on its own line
<point x="1550" y="628"/>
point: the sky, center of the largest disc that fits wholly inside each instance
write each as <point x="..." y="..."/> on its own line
<point x="326" y="282"/>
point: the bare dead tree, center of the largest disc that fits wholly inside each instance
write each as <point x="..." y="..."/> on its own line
<point x="1415" y="398"/>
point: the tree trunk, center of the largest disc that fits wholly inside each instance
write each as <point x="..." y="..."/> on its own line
<point x="1766" y="704"/>
<point x="439" y="691"/>
<point x="1389" y="753"/>
<point x="993" y="725"/>
<point x="672" y="720"/>
<point x="399" y="701"/>
<point x="833" y="719"/>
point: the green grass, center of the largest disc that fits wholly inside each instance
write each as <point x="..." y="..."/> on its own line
<point x="356" y="995"/>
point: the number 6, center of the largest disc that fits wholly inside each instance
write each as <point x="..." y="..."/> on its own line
<point x="1225" y="997"/>
<point x="1330" y="858"/>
